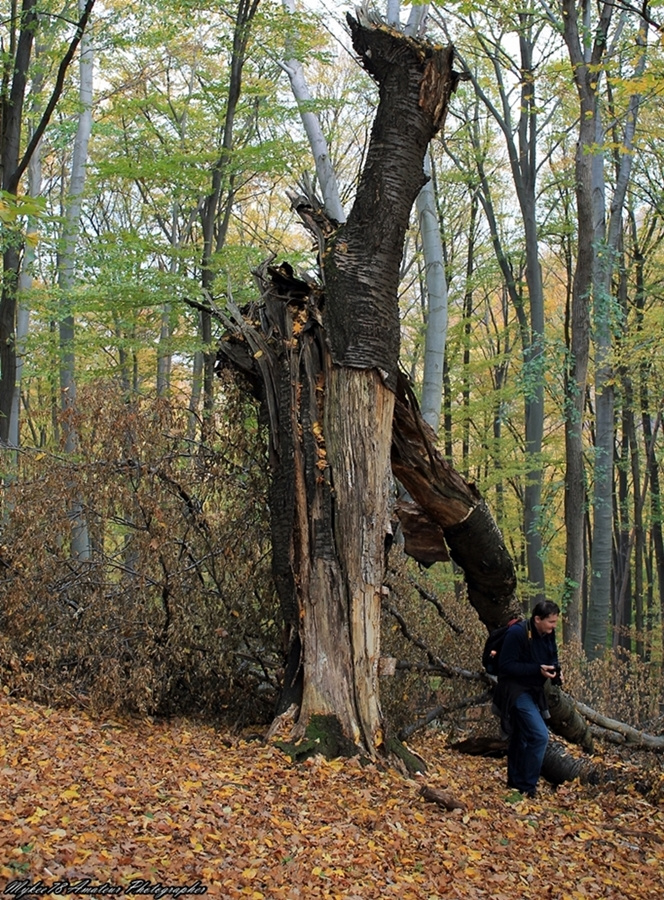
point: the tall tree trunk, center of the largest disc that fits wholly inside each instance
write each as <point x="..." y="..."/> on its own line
<point x="607" y="240"/>
<point x="586" y="73"/>
<point x="622" y="544"/>
<point x="23" y="309"/>
<point x="521" y="143"/>
<point x="525" y="177"/>
<point x="80" y="540"/>
<point x="216" y="207"/>
<point x="646" y="417"/>
<point x="467" y="329"/>
<point x="14" y="83"/>
<point x="330" y="395"/>
<point x="436" y="287"/>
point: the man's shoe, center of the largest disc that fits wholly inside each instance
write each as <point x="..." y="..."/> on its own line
<point x="530" y="794"/>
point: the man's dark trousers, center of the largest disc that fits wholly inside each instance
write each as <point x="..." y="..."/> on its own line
<point x="527" y="745"/>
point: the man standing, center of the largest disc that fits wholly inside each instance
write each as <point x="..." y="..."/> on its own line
<point x="529" y="656"/>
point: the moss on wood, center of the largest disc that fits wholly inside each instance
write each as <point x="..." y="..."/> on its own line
<point x="323" y="735"/>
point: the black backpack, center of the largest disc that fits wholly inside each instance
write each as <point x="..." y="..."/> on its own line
<point x="493" y="646"/>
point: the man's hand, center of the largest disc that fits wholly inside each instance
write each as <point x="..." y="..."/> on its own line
<point x="552" y="672"/>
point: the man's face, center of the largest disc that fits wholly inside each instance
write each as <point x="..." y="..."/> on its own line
<point x="546" y="626"/>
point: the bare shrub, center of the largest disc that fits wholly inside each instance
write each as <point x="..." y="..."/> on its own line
<point x="427" y="622"/>
<point x="173" y="609"/>
<point x="620" y="684"/>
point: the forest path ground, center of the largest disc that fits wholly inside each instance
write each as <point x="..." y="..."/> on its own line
<point x="142" y="808"/>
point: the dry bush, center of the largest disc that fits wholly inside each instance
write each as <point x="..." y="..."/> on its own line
<point x="620" y="685"/>
<point x="448" y="628"/>
<point x="174" y="610"/>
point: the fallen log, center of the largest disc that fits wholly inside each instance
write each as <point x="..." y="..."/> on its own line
<point x="622" y="733"/>
<point x="560" y="766"/>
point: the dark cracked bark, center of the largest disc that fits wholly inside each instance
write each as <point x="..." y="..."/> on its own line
<point x="457" y="509"/>
<point x="324" y="362"/>
<point x="363" y="261"/>
<point x="325" y="368"/>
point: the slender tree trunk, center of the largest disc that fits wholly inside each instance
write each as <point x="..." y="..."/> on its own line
<point x="14" y="82"/>
<point x="622" y="548"/>
<point x="13" y="98"/>
<point x="534" y="359"/>
<point x="164" y="358"/>
<point x="586" y="73"/>
<point x="436" y="286"/>
<point x="521" y="144"/>
<point x="646" y="417"/>
<point x="25" y="277"/>
<point x="607" y="241"/>
<point x="638" y="540"/>
<point x="80" y="541"/>
<point x="23" y="309"/>
<point x="196" y="389"/>
<point x="467" y="326"/>
<point x="216" y="208"/>
<point x="325" y="173"/>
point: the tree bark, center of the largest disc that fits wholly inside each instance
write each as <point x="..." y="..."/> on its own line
<point x="12" y="112"/>
<point x="436" y="288"/>
<point x="66" y="263"/>
<point x="326" y="368"/>
<point x="13" y="168"/>
<point x="457" y="508"/>
<point x="216" y="207"/>
<point x="586" y="74"/>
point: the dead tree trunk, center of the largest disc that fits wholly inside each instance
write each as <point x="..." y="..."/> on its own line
<point x="326" y="367"/>
<point x="453" y="514"/>
<point x="324" y="362"/>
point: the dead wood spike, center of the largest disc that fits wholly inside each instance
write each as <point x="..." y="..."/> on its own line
<point x="442" y="798"/>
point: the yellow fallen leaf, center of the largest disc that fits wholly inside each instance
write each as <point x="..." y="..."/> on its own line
<point x="71" y="793"/>
<point x="38" y="814"/>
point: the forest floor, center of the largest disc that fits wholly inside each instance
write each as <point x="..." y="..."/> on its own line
<point x="127" y="808"/>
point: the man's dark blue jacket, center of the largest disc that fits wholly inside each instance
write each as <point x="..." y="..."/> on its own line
<point x="524" y="650"/>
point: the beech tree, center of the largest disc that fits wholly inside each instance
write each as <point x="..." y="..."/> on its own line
<point x="593" y="300"/>
<point x="80" y="541"/>
<point x="15" y="161"/>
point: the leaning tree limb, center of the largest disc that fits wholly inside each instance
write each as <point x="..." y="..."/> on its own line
<point x="620" y="732"/>
<point x="471" y="534"/>
<point x="456" y="507"/>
